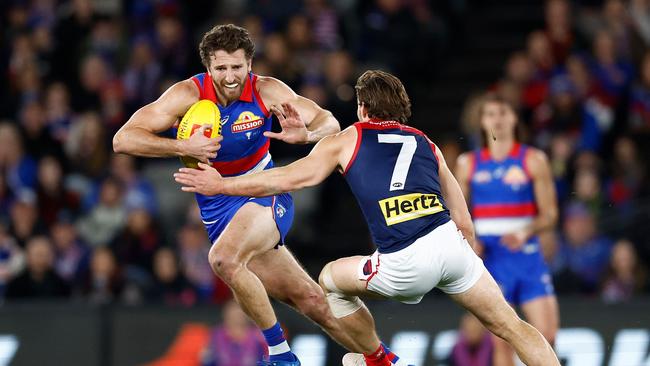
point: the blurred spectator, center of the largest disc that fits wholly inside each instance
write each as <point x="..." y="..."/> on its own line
<point x="25" y="221"/>
<point x="559" y="30"/>
<point x="324" y="23"/>
<point x="626" y="276"/>
<point x="52" y="196"/>
<point x="535" y="86"/>
<point x="113" y="106"/>
<point x="142" y="75"/>
<point x="236" y="342"/>
<point x="588" y="190"/>
<point x="38" y="279"/>
<point x="540" y="53"/>
<point x="615" y="20"/>
<point x="280" y="60"/>
<point x="299" y="40"/>
<point x="474" y="345"/>
<point x="38" y="141"/>
<point x="578" y="73"/>
<point x="628" y="175"/>
<point x="137" y="243"/>
<point x="639" y="13"/>
<point x="105" y="40"/>
<point x="173" y="49"/>
<point x="639" y="110"/>
<point x="138" y="191"/>
<point x="72" y="256"/>
<point x="170" y="286"/>
<point x="6" y="195"/>
<point x="339" y="72"/>
<point x="104" y="222"/>
<point x="611" y="72"/>
<point x="561" y="151"/>
<point x="20" y="169"/>
<point x="72" y="29"/>
<point x="193" y="249"/>
<point x="583" y="253"/>
<point x="58" y="112"/>
<point x="104" y="282"/>
<point x="87" y="148"/>
<point x="12" y="259"/>
<point x="94" y="75"/>
<point x="562" y="113"/>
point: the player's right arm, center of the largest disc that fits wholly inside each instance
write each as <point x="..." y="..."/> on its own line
<point x="139" y="136"/>
<point x="455" y="200"/>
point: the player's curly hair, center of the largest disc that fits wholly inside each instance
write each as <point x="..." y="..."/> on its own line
<point x="384" y="96"/>
<point x="227" y="37"/>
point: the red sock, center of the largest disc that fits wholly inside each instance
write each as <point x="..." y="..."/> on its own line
<point x="391" y="356"/>
<point x="377" y="358"/>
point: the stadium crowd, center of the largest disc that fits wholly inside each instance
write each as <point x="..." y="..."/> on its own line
<point x="79" y="222"/>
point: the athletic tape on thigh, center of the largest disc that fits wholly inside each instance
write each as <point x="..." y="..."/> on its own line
<point x="343" y="305"/>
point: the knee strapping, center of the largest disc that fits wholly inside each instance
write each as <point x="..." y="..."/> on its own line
<point x="343" y="305"/>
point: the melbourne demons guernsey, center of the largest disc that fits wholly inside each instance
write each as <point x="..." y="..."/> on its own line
<point x="244" y="147"/>
<point x="502" y="199"/>
<point x="393" y="174"/>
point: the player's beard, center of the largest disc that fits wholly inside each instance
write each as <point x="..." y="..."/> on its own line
<point x="231" y="94"/>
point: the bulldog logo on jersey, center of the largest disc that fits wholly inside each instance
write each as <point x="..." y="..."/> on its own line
<point x="246" y="121"/>
<point x="409" y="207"/>
<point x="515" y="177"/>
<point x="280" y="211"/>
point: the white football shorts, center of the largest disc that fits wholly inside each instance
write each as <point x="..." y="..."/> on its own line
<point x="441" y="258"/>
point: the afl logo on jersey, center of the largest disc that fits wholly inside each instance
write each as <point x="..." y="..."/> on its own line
<point x="482" y="176"/>
<point x="246" y="121"/>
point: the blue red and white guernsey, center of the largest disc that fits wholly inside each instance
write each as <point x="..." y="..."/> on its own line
<point x="393" y="174"/>
<point x="244" y="150"/>
<point x="502" y="202"/>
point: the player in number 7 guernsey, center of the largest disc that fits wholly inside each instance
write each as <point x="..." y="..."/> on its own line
<point x="416" y="213"/>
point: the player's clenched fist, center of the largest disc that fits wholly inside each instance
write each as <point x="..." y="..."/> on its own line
<point x="205" y="180"/>
<point x="201" y="147"/>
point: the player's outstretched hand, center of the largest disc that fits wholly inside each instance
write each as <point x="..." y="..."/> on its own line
<point x="205" y="180"/>
<point x="202" y="147"/>
<point x="514" y="241"/>
<point x="294" y="130"/>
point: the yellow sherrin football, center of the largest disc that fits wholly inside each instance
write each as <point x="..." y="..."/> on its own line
<point x="203" y="112"/>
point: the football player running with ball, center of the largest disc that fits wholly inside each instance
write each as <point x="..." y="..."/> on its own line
<point x="414" y="208"/>
<point x="247" y="233"/>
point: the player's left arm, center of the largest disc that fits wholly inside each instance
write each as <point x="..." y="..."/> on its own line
<point x="305" y="172"/>
<point x="545" y="198"/>
<point x="314" y="122"/>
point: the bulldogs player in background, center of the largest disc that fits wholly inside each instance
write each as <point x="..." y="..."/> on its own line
<point x="512" y="197"/>
<point x="414" y="209"/>
<point x="244" y="258"/>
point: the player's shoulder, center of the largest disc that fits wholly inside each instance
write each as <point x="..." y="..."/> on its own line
<point x="271" y="88"/>
<point x="465" y="159"/>
<point x="465" y="164"/>
<point x="535" y="155"/>
<point x="536" y="162"/>
<point x="185" y="88"/>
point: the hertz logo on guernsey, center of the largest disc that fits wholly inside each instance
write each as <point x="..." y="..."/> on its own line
<point x="246" y="121"/>
<point x="409" y="206"/>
